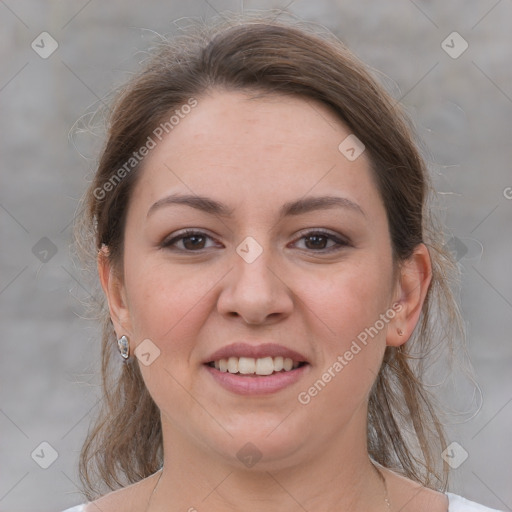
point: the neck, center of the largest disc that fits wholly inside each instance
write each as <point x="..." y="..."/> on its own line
<point x="340" y="478"/>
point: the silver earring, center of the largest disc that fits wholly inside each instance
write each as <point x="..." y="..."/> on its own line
<point x="124" y="347"/>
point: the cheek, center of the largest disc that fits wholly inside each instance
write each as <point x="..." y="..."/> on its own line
<point x="164" y="301"/>
<point x="354" y="307"/>
<point x="351" y="298"/>
<point x="169" y="307"/>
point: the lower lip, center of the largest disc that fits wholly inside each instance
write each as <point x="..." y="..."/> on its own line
<point x="257" y="384"/>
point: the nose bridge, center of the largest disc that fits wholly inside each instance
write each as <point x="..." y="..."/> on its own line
<point x="254" y="264"/>
<point x="254" y="290"/>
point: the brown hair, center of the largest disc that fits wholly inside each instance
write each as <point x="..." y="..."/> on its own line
<point x="269" y="56"/>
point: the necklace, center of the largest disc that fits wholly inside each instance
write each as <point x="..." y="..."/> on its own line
<point x="379" y="472"/>
<point x="381" y="476"/>
<point x="154" y="488"/>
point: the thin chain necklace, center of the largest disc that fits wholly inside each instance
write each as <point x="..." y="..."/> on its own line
<point x="379" y="472"/>
<point x="381" y="476"/>
<point x="154" y="488"/>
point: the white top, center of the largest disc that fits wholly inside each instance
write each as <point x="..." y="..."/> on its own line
<point x="460" y="504"/>
<point x="457" y="504"/>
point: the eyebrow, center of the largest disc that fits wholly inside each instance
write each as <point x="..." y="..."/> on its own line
<point x="291" y="208"/>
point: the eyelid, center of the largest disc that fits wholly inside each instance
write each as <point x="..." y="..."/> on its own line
<point x="322" y="231"/>
<point x="340" y="240"/>
<point x="184" y="233"/>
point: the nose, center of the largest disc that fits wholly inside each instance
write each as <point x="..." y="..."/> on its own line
<point x="256" y="291"/>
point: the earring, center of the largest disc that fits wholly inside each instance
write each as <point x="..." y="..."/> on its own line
<point x="400" y="332"/>
<point x="124" y="347"/>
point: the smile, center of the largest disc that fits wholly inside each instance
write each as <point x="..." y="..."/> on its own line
<point x="255" y="366"/>
<point x="251" y="382"/>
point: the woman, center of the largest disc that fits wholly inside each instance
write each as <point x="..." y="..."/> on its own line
<point x="263" y="237"/>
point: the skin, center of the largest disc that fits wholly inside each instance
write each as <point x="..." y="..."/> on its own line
<point x="255" y="154"/>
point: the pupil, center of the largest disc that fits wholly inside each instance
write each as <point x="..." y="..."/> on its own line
<point x="193" y="237"/>
<point x="316" y="239"/>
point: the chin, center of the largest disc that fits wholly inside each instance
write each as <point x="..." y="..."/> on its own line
<point x="260" y="443"/>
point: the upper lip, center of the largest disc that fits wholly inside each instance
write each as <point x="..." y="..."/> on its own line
<point x="241" y="349"/>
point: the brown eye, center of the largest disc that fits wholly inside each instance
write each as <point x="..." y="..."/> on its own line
<point x="191" y="241"/>
<point x="195" y="241"/>
<point x="317" y="241"/>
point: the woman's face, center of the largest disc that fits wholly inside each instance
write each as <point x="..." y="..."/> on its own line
<point x="258" y="272"/>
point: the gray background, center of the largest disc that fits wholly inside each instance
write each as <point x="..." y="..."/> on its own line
<point x="461" y="107"/>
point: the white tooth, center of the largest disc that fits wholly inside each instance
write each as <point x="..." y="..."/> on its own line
<point x="264" y="366"/>
<point x="278" y="363"/>
<point x="261" y="366"/>
<point x="246" y="365"/>
<point x="233" y="364"/>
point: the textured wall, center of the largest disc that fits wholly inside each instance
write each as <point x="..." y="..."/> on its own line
<point x="460" y="104"/>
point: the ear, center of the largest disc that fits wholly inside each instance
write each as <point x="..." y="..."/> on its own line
<point x="414" y="279"/>
<point x="114" y="290"/>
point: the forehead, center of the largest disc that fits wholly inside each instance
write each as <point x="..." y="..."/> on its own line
<point x="261" y="147"/>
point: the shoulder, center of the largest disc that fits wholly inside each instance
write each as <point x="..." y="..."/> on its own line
<point x="132" y="498"/>
<point x="409" y="496"/>
<point x="460" y="504"/>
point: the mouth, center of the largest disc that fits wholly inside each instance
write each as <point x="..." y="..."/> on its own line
<point x="260" y="367"/>
<point x="252" y="370"/>
<point x="260" y="376"/>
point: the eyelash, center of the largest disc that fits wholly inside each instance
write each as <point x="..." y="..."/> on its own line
<point x="168" y="243"/>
